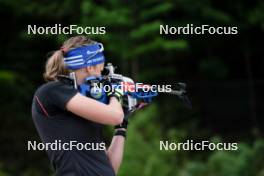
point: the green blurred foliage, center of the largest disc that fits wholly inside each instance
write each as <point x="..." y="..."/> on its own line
<point x="213" y="69"/>
<point x="141" y="154"/>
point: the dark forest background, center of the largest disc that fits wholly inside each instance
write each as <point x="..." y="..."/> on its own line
<point x="224" y="74"/>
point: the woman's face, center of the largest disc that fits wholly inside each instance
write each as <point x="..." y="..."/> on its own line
<point x="95" y="70"/>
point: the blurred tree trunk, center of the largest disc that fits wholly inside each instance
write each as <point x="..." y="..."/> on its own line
<point x="251" y="90"/>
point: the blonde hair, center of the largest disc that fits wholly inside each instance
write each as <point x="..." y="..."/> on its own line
<point x="55" y="65"/>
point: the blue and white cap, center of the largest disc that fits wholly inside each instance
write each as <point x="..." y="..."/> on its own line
<point x="84" y="56"/>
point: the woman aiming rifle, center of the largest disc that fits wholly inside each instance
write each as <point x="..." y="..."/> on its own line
<point x="60" y="112"/>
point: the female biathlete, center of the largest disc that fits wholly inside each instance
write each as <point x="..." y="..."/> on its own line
<point x="61" y="114"/>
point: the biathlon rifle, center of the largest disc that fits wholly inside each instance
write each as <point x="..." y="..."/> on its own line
<point x="135" y="95"/>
